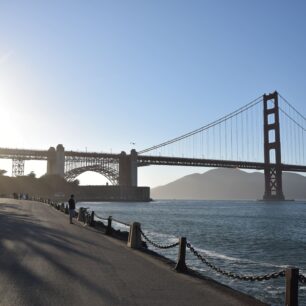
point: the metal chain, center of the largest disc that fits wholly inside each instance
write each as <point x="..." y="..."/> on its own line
<point x="160" y="246"/>
<point x="234" y="275"/>
<point x="120" y="222"/>
<point x="302" y="279"/>
<point x="100" y="217"/>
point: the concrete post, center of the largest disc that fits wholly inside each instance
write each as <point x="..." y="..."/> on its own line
<point x="292" y="286"/>
<point x="92" y="219"/>
<point x="181" y="265"/>
<point x="134" y="240"/>
<point x="109" y="229"/>
<point x="81" y="214"/>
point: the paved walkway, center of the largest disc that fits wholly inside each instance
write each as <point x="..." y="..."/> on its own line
<point x="44" y="260"/>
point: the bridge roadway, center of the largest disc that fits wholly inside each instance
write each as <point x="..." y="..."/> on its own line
<point x="46" y="261"/>
<point x="213" y="163"/>
<point x="146" y="160"/>
<point x="28" y="154"/>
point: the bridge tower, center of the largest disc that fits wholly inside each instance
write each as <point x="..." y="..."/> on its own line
<point x="128" y="169"/>
<point x="272" y="149"/>
<point x="56" y="161"/>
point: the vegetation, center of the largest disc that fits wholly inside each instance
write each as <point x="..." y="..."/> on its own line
<point x="45" y="186"/>
<point x="2" y="172"/>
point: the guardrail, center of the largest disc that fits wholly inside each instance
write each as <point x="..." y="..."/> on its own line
<point x="292" y="275"/>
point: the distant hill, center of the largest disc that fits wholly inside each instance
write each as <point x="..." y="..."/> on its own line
<point x="227" y="184"/>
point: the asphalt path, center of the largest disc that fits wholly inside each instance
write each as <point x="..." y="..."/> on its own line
<point x="44" y="260"/>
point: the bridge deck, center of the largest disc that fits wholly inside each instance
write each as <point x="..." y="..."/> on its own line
<point x="144" y="160"/>
<point x="46" y="261"/>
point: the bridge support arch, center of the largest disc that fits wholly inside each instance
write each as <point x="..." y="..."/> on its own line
<point x="272" y="149"/>
<point x="128" y="169"/>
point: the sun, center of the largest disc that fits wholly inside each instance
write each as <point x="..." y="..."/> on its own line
<point x="9" y="113"/>
<point x="5" y="126"/>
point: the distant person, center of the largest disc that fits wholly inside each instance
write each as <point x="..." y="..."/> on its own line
<point x="71" y="203"/>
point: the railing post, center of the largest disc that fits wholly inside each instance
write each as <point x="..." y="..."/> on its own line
<point x="86" y="219"/>
<point x="92" y="219"/>
<point x="81" y="214"/>
<point x="134" y="240"/>
<point x="292" y="286"/>
<point x="109" y="226"/>
<point x="181" y="265"/>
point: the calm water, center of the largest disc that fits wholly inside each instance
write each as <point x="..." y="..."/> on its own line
<point x="240" y="236"/>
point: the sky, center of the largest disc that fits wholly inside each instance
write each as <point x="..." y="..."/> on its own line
<point x="101" y="75"/>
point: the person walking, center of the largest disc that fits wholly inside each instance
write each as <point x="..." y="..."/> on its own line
<point x="71" y="203"/>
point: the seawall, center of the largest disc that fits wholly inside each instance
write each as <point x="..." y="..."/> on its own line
<point x="113" y="193"/>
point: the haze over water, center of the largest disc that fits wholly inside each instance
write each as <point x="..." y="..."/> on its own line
<point x="246" y="237"/>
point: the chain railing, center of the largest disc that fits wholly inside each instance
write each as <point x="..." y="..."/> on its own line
<point x="121" y="222"/>
<point x="234" y="275"/>
<point x="293" y="277"/>
<point x="302" y="279"/>
<point x="99" y="217"/>
<point x="157" y="245"/>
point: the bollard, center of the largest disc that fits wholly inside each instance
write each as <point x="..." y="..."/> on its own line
<point x="87" y="218"/>
<point x="181" y="265"/>
<point x="134" y="240"/>
<point x="81" y="214"/>
<point x="109" y="229"/>
<point x="292" y="286"/>
<point x="66" y="210"/>
<point x="84" y="215"/>
<point x="92" y="219"/>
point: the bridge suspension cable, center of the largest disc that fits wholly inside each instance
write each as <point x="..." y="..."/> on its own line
<point x="227" y="138"/>
<point x="293" y="127"/>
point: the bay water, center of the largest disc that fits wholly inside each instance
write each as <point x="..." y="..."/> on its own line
<point x="245" y="237"/>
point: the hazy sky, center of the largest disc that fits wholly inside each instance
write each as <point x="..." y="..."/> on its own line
<point x="98" y="75"/>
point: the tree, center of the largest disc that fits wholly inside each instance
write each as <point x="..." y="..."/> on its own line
<point x="32" y="174"/>
<point x="2" y="172"/>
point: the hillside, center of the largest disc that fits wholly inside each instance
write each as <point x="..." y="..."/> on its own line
<point x="227" y="184"/>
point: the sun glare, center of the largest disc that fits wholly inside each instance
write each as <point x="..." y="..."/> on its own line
<point x="7" y="128"/>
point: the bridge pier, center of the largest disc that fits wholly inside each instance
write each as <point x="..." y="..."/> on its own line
<point x="128" y="169"/>
<point x="272" y="149"/>
<point x="17" y="167"/>
<point x="56" y="161"/>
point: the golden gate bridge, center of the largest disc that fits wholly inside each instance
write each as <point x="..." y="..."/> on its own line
<point x="266" y="134"/>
